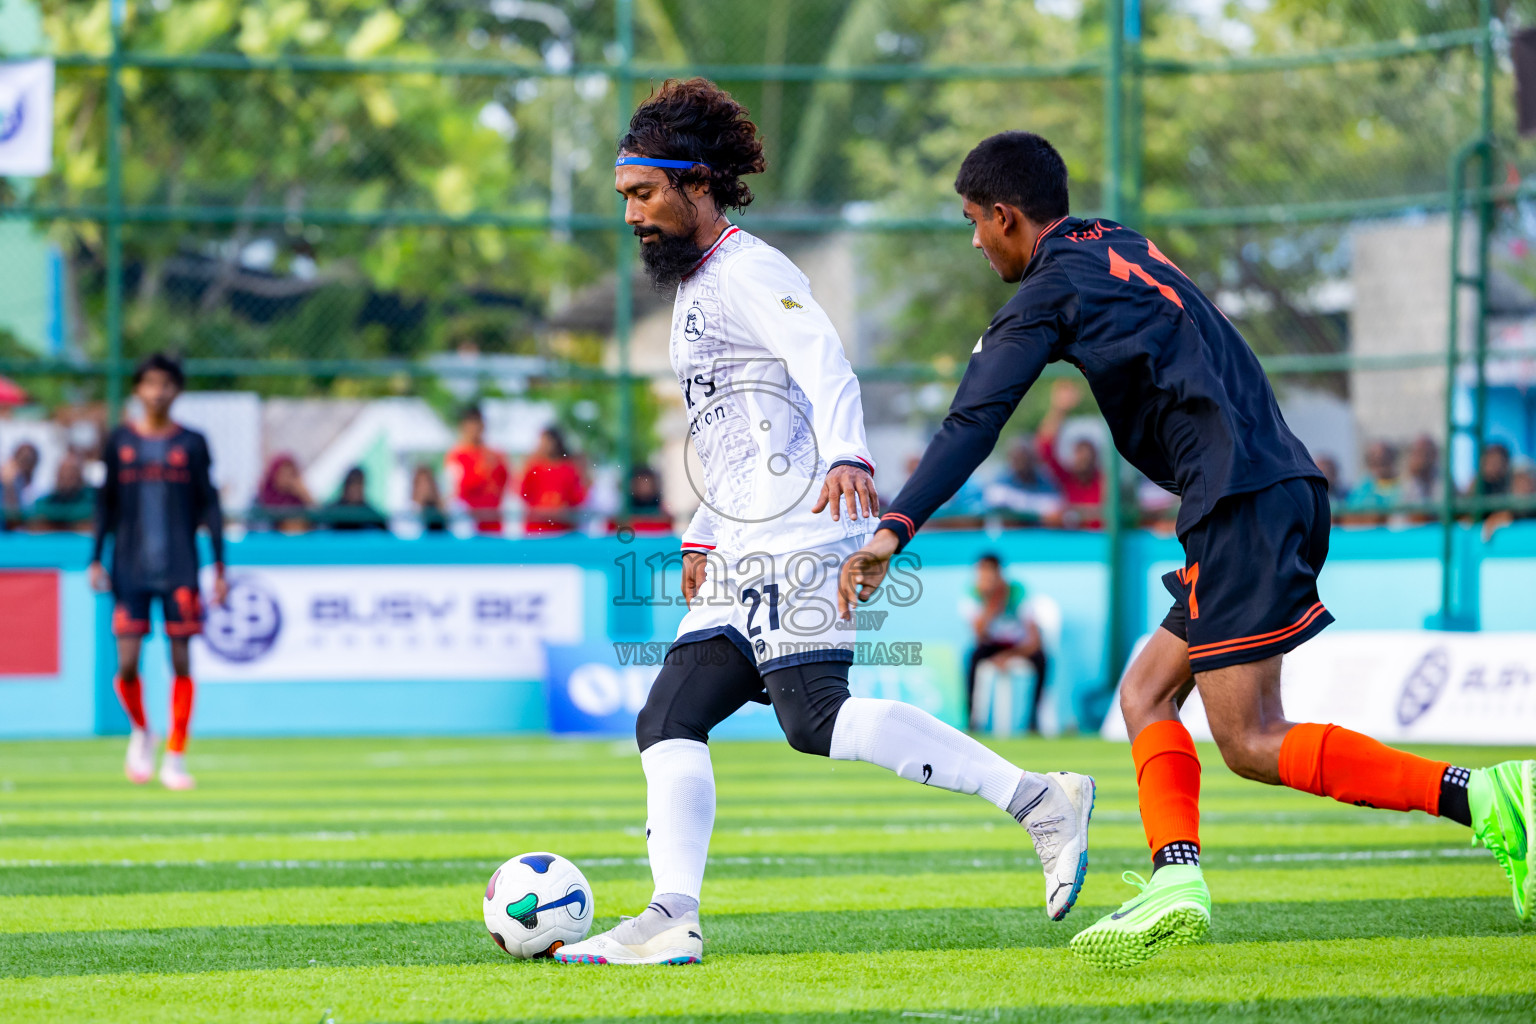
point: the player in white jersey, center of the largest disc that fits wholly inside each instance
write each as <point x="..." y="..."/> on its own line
<point x="786" y="496"/>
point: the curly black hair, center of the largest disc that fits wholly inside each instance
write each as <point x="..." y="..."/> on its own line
<point x="698" y="120"/>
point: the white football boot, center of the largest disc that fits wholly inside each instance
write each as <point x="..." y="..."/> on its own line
<point x="139" y="765"/>
<point x="173" y="772"/>
<point x="1058" y="824"/>
<point x="640" y="940"/>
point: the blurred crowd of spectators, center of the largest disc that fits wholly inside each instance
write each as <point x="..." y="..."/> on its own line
<point x="475" y="489"/>
<point x="471" y="491"/>
<point x="1402" y="487"/>
<point x="472" y="486"/>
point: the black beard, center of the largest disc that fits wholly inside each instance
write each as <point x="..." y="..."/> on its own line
<point x="668" y="258"/>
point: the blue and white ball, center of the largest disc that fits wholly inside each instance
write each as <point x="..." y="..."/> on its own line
<point x="537" y="902"/>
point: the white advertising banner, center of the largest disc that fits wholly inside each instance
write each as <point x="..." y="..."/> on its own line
<point x="395" y="622"/>
<point x="1405" y="686"/>
<point x="26" y="117"/>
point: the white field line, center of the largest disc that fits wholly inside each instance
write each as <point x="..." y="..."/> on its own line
<point x="614" y="862"/>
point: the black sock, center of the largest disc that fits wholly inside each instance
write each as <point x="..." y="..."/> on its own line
<point x="1453" y="795"/>
<point x="1176" y="853"/>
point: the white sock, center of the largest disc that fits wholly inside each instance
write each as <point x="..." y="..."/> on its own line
<point x="915" y="745"/>
<point x="680" y="814"/>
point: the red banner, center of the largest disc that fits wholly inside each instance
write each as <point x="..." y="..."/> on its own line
<point x="29" y="622"/>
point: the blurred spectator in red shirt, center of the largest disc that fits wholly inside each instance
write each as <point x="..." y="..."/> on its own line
<point x="551" y="486"/>
<point x="1081" y="483"/>
<point x="477" y="474"/>
<point x="647" y="516"/>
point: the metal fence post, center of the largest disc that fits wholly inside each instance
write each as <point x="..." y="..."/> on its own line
<point x="1458" y="592"/>
<point x="1114" y="209"/>
<point x="114" y="310"/>
<point x="623" y="261"/>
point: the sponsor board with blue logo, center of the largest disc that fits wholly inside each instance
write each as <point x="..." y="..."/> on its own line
<point x="599" y="689"/>
<point x="1401" y="686"/>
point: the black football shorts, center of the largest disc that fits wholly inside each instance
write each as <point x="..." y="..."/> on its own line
<point x="1248" y="589"/>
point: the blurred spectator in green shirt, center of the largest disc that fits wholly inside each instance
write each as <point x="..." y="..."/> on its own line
<point x="1379" y="490"/>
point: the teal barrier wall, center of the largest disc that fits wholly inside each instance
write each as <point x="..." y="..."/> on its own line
<point x="1375" y="579"/>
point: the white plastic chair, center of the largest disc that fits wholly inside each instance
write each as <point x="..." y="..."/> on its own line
<point x="1003" y="694"/>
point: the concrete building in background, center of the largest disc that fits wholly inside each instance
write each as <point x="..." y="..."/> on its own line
<point x="1401" y="275"/>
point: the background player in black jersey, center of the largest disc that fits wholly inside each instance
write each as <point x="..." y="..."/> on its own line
<point x="158" y="491"/>
<point x="1187" y="404"/>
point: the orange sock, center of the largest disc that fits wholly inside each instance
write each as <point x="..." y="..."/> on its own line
<point x="1326" y="760"/>
<point x="130" y="693"/>
<point x="181" y="714"/>
<point x="1168" y="784"/>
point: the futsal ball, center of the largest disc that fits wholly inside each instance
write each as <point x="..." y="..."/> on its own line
<point x="535" y="903"/>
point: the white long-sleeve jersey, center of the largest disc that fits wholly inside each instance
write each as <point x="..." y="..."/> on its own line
<point x="772" y="402"/>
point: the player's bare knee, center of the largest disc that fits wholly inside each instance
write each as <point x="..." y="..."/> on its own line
<point x="181" y="657"/>
<point x="1134" y="704"/>
<point x="1244" y="751"/>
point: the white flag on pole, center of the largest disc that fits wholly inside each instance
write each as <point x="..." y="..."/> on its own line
<point x="26" y="117"/>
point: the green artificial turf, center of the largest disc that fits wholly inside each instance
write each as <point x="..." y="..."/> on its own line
<point x="341" y="879"/>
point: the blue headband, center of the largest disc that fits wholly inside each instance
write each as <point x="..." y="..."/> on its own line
<point x="645" y="161"/>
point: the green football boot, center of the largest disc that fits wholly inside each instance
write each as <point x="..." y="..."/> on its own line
<point x="1503" y="804"/>
<point x="1173" y="909"/>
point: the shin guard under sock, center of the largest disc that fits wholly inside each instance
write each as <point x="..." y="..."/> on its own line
<point x="1168" y="784"/>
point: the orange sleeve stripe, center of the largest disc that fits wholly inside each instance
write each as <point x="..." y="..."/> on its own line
<point x="1245" y="642"/>
<point x="911" y="526"/>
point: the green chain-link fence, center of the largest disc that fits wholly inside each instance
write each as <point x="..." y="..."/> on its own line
<point x="356" y="197"/>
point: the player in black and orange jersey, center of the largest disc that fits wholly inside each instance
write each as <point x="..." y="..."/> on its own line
<point x="1187" y="404"/>
<point x="158" y="492"/>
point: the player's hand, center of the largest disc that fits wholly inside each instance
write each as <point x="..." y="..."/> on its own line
<point x="694" y="564"/>
<point x="99" y="580"/>
<point x="221" y="591"/>
<point x="864" y="571"/>
<point x="850" y="484"/>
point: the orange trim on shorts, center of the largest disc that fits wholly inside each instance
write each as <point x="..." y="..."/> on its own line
<point x="1242" y="643"/>
<point x="1189" y="577"/>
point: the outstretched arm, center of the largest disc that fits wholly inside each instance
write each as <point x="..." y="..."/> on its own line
<point x="106" y="519"/>
<point x="212" y="515"/>
<point x="1008" y="359"/>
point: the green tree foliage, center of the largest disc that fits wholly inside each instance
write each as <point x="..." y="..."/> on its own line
<point x="282" y="140"/>
<point x="1359" y="130"/>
